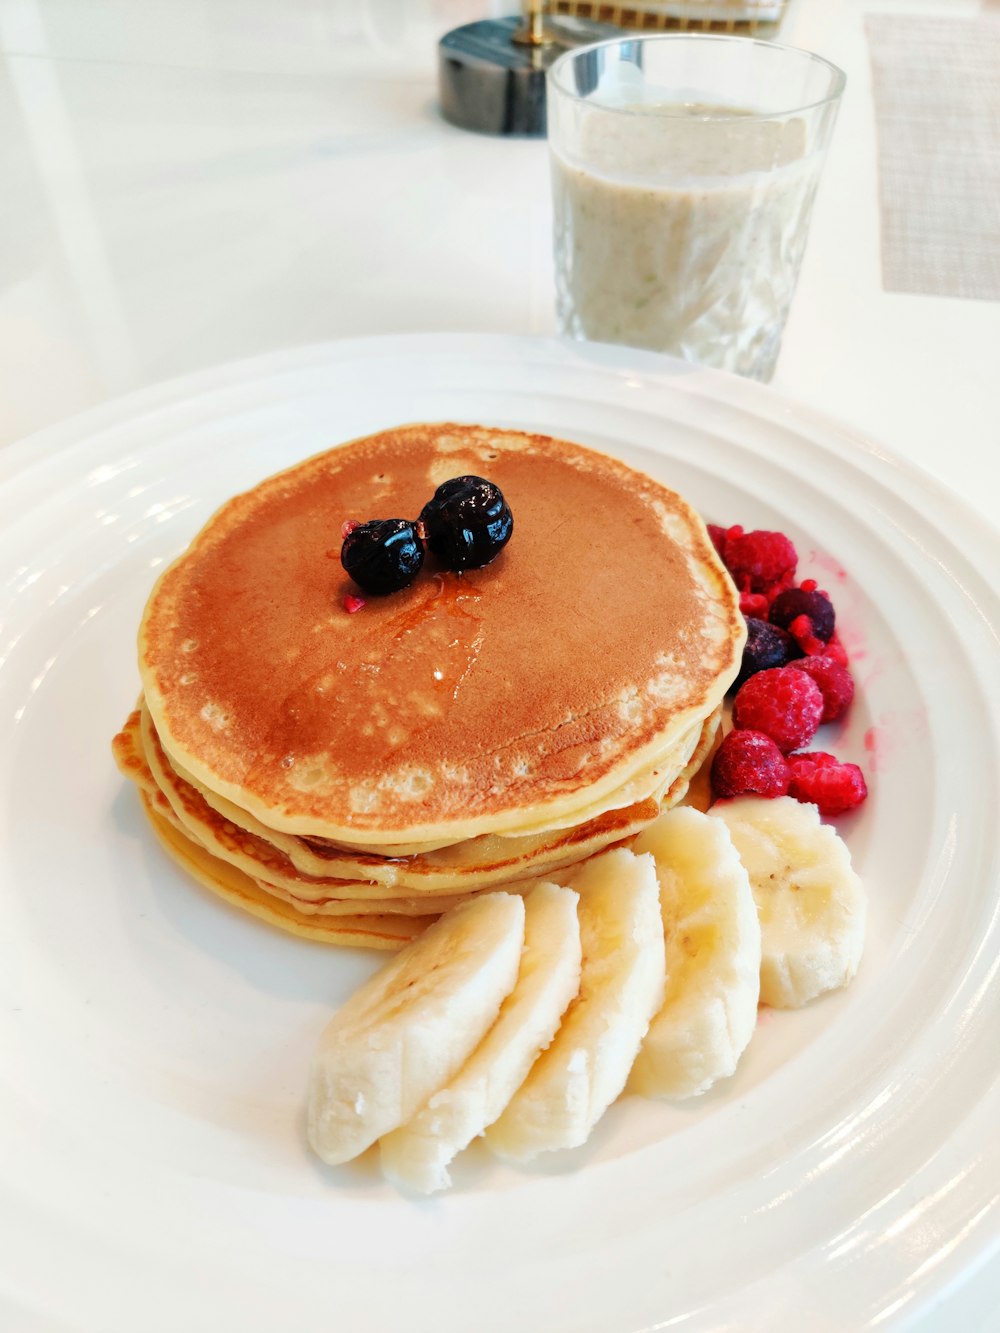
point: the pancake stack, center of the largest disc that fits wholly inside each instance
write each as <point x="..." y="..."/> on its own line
<point x="349" y="777"/>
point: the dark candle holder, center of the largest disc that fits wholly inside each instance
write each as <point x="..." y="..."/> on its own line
<point x="491" y="74"/>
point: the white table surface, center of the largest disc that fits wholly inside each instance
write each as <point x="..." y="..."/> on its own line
<point x="186" y="182"/>
<point x="190" y="181"/>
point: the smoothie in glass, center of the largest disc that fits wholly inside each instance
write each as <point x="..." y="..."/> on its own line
<point x="680" y="225"/>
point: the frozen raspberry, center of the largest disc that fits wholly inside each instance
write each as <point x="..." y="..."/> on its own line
<point x="836" y="650"/>
<point x="772" y="590"/>
<point x="783" y="703"/>
<point x="766" y="646"/>
<point x="758" y="559"/>
<point x="749" y="763"/>
<point x="794" y="602"/>
<point x="835" y="682"/>
<point x="822" y="780"/>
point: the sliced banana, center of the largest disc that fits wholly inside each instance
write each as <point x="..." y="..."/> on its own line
<point x="572" y="1084"/>
<point x="811" y="904"/>
<point x="713" y="957"/>
<point x="417" y="1155"/>
<point x="409" y="1029"/>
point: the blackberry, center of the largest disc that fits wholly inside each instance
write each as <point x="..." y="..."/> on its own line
<point x="815" y="605"/>
<point x="766" y="646"/>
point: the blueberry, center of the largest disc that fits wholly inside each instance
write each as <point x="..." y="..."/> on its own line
<point x="468" y="522"/>
<point x="795" y="602"/>
<point x="766" y="646"/>
<point x="383" y="555"/>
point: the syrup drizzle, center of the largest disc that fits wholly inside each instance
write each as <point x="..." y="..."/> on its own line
<point x="426" y="651"/>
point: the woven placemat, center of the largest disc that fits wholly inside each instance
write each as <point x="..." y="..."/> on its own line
<point x="936" y="83"/>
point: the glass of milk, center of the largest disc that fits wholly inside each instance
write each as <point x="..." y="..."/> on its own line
<point x="684" y="169"/>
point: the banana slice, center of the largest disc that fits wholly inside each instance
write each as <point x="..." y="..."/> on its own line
<point x="409" y="1029"/>
<point x="572" y="1084"/>
<point x="416" y="1156"/>
<point x="812" y="905"/>
<point x="713" y="957"/>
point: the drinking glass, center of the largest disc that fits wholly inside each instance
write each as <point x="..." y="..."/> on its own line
<point x="684" y="168"/>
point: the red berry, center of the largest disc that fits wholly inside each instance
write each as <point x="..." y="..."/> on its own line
<point x="749" y="763"/>
<point x="758" y="559"/>
<point x="352" y="603"/>
<point x="836" y="650"/>
<point x="754" y="604"/>
<point x="774" y="590"/>
<point x="835" y="682"/>
<point x="783" y="703"/>
<point x="822" y="780"/>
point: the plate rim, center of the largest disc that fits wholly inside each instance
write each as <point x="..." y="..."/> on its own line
<point x="21" y="455"/>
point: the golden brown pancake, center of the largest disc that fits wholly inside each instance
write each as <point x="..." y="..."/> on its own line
<point x="429" y="880"/>
<point x="329" y="919"/>
<point x="498" y="701"/>
<point x="325" y="854"/>
<point x="372" y="931"/>
<point x="449" y="866"/>
<point x="239" y="885"/>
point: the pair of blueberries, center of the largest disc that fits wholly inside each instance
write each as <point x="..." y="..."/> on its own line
<point x="466" y="525"/>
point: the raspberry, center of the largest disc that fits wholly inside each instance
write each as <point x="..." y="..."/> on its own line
<point x="835" y="682"/>
<point x="822" y="780"/>
<point x="794" y="602"/>
<point x="772" y="590"/>
<point x="783" y="703"/>
<point x="353" y="604"/>
<point x="766" y="646"/>
<point x="758" y="559"/>
<point x="836" y="650"/>
<point x="749" y="763"/>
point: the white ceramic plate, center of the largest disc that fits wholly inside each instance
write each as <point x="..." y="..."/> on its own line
<point x="155" y="1042"/>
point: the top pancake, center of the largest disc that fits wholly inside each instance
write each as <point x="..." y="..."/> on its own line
<point x="466" y="704"/>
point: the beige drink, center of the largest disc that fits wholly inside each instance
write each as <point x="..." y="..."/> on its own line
<point x="686" y="240"/>
<point x="684" y="169"/>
